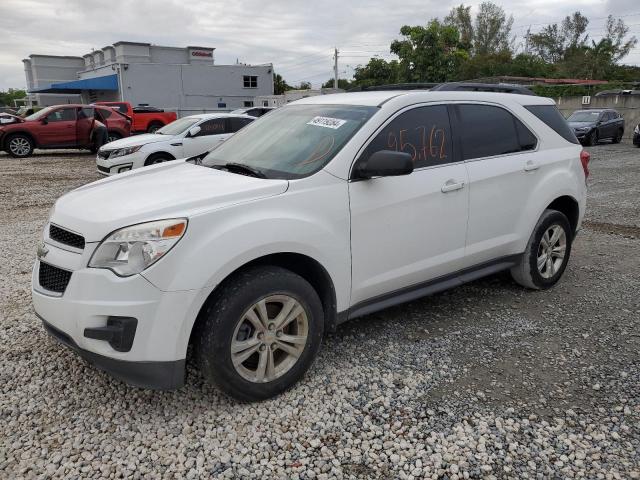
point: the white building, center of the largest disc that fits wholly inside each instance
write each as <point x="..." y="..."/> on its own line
<point x="185" y="80"/>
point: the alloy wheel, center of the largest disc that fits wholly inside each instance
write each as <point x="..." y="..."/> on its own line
<point x="551" y="251"/>
<point x="19" y="146"/>
<point x="269" y="338"/>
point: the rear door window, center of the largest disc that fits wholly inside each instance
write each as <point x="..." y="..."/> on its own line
<point x="422" y="132"/>
<point x="236" y="124"/>
<point x="488" y="131"/>
<point x="550" y="115"/>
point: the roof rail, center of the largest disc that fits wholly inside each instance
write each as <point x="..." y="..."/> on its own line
<point x="482" y="87"/>
<point x="394" y="86"/>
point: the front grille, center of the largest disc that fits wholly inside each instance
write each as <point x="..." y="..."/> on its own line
<point x="66" y="237"/>
<point x="103" y="169"/>
<point x="53" y="278"/>
<point x="104" y="154"/>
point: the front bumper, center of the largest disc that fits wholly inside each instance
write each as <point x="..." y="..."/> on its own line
<point x="112" y="166"/>
<point x="94" y="297"/>
<point x="155" y="375"/>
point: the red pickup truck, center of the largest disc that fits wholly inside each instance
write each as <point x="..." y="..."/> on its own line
<point x="143" y="118"/>
<point x="61" y="126"/>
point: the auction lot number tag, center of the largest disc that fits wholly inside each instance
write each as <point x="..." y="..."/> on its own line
<point x="327" y="122"/>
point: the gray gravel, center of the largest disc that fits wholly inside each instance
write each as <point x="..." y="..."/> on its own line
<point x="485" y="381"/>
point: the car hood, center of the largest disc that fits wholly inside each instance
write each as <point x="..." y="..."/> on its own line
<point x="581" y="124"/>
<point x="137" y="140"/>
<point x="168" y="190"/>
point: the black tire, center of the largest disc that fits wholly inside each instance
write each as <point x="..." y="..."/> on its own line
<point x="618" y="137"/>
<point x="19" y="145"/>
<point x="591" y="139"/>
<point x="526" y="273"/>
<point x="224" y="313"/>
<point x="157" y="158"/>
<point x="154" y="126"/>
<point x="113" y="136"/>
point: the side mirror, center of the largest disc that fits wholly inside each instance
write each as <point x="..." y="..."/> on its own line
<point x="194" y="131"/>
<point x="45" y="121"/>
<point x="385" y="163"/>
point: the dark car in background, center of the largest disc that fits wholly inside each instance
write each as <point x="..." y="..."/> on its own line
<point x="636" y="135"/>
<point x="593" y="125"/>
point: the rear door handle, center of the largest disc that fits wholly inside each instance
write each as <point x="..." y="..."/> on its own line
<point x="530" y="166"/>
<point x="451" y="185"/>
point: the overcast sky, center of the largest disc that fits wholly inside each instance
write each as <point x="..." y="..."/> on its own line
<point x="296" y="36"/>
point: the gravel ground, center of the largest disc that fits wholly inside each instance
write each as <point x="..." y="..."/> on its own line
<point x="484" y="381"/>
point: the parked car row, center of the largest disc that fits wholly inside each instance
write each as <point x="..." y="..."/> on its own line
<point x="74" y="126"/>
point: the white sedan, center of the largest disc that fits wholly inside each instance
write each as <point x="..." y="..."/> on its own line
<point x="185" y="137"/>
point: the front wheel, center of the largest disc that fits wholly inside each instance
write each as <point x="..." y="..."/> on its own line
<point x="19" y="146"/>
<point x="260" y="333"/>
<point x="592" y="139"/>
<point x="547" y="254"/>
<point x="618" y="137"/>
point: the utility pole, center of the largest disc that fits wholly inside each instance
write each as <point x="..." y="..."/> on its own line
<point x="335" y="67"/>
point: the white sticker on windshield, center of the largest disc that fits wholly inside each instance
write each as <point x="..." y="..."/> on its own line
<point x="327" y="122"/>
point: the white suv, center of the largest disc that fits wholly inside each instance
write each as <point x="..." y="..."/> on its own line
<point x="324" y="210"/>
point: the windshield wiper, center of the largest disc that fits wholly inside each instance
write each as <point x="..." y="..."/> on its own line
<point x="242" y="169"/>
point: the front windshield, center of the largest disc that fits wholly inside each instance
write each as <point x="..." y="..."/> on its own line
<point x="584" y="116"/>
<point x="39" y="114"/>
<point x="178" y="126"/>
<point x="293" y="141"/>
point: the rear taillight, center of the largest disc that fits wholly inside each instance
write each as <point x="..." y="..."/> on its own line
<point x="584" y="159"/>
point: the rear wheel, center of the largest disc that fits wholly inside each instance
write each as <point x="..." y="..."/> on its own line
<point x="113" y="136"/>
<point x="153" y="127"/>
<point x="260" y="333"/>
<point x="19" y="145"/>
<point x="547" y="254"/>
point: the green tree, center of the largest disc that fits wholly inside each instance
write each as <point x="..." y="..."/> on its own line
<point x="460" y="18"/>
<point x="555" y="41"/>
<point x="492" y="31"/>
<point x="343" y="83"/>
<point x="280" y="84"/>
<point x="429" y="54"/>
<point x="304" y="86"/>
<point x="376" y="72"/>
<point x="7" y="97"/>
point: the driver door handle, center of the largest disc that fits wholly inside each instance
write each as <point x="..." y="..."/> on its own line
<point x="530" y="166"/>
<point x="451" y="185"/>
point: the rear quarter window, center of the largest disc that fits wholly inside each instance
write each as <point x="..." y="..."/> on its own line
<point x="550" y="115"/>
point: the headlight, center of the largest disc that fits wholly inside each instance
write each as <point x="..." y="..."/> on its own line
<point x="637" y="129"/>
<point x="132" y="249"/>
<point x="582" y="129"/>
<point x="121" y="152"/>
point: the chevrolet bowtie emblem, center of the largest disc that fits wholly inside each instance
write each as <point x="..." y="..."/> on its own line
<point x="42" y="250"/>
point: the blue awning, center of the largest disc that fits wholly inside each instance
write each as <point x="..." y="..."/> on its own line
<point x="108" y="82"/>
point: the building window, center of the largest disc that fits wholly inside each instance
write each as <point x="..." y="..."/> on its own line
<point x="250" y="81"/>
<point x="222" y="105"/>
<point x="265" y="103"/>
<point x="248" y="103"/>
